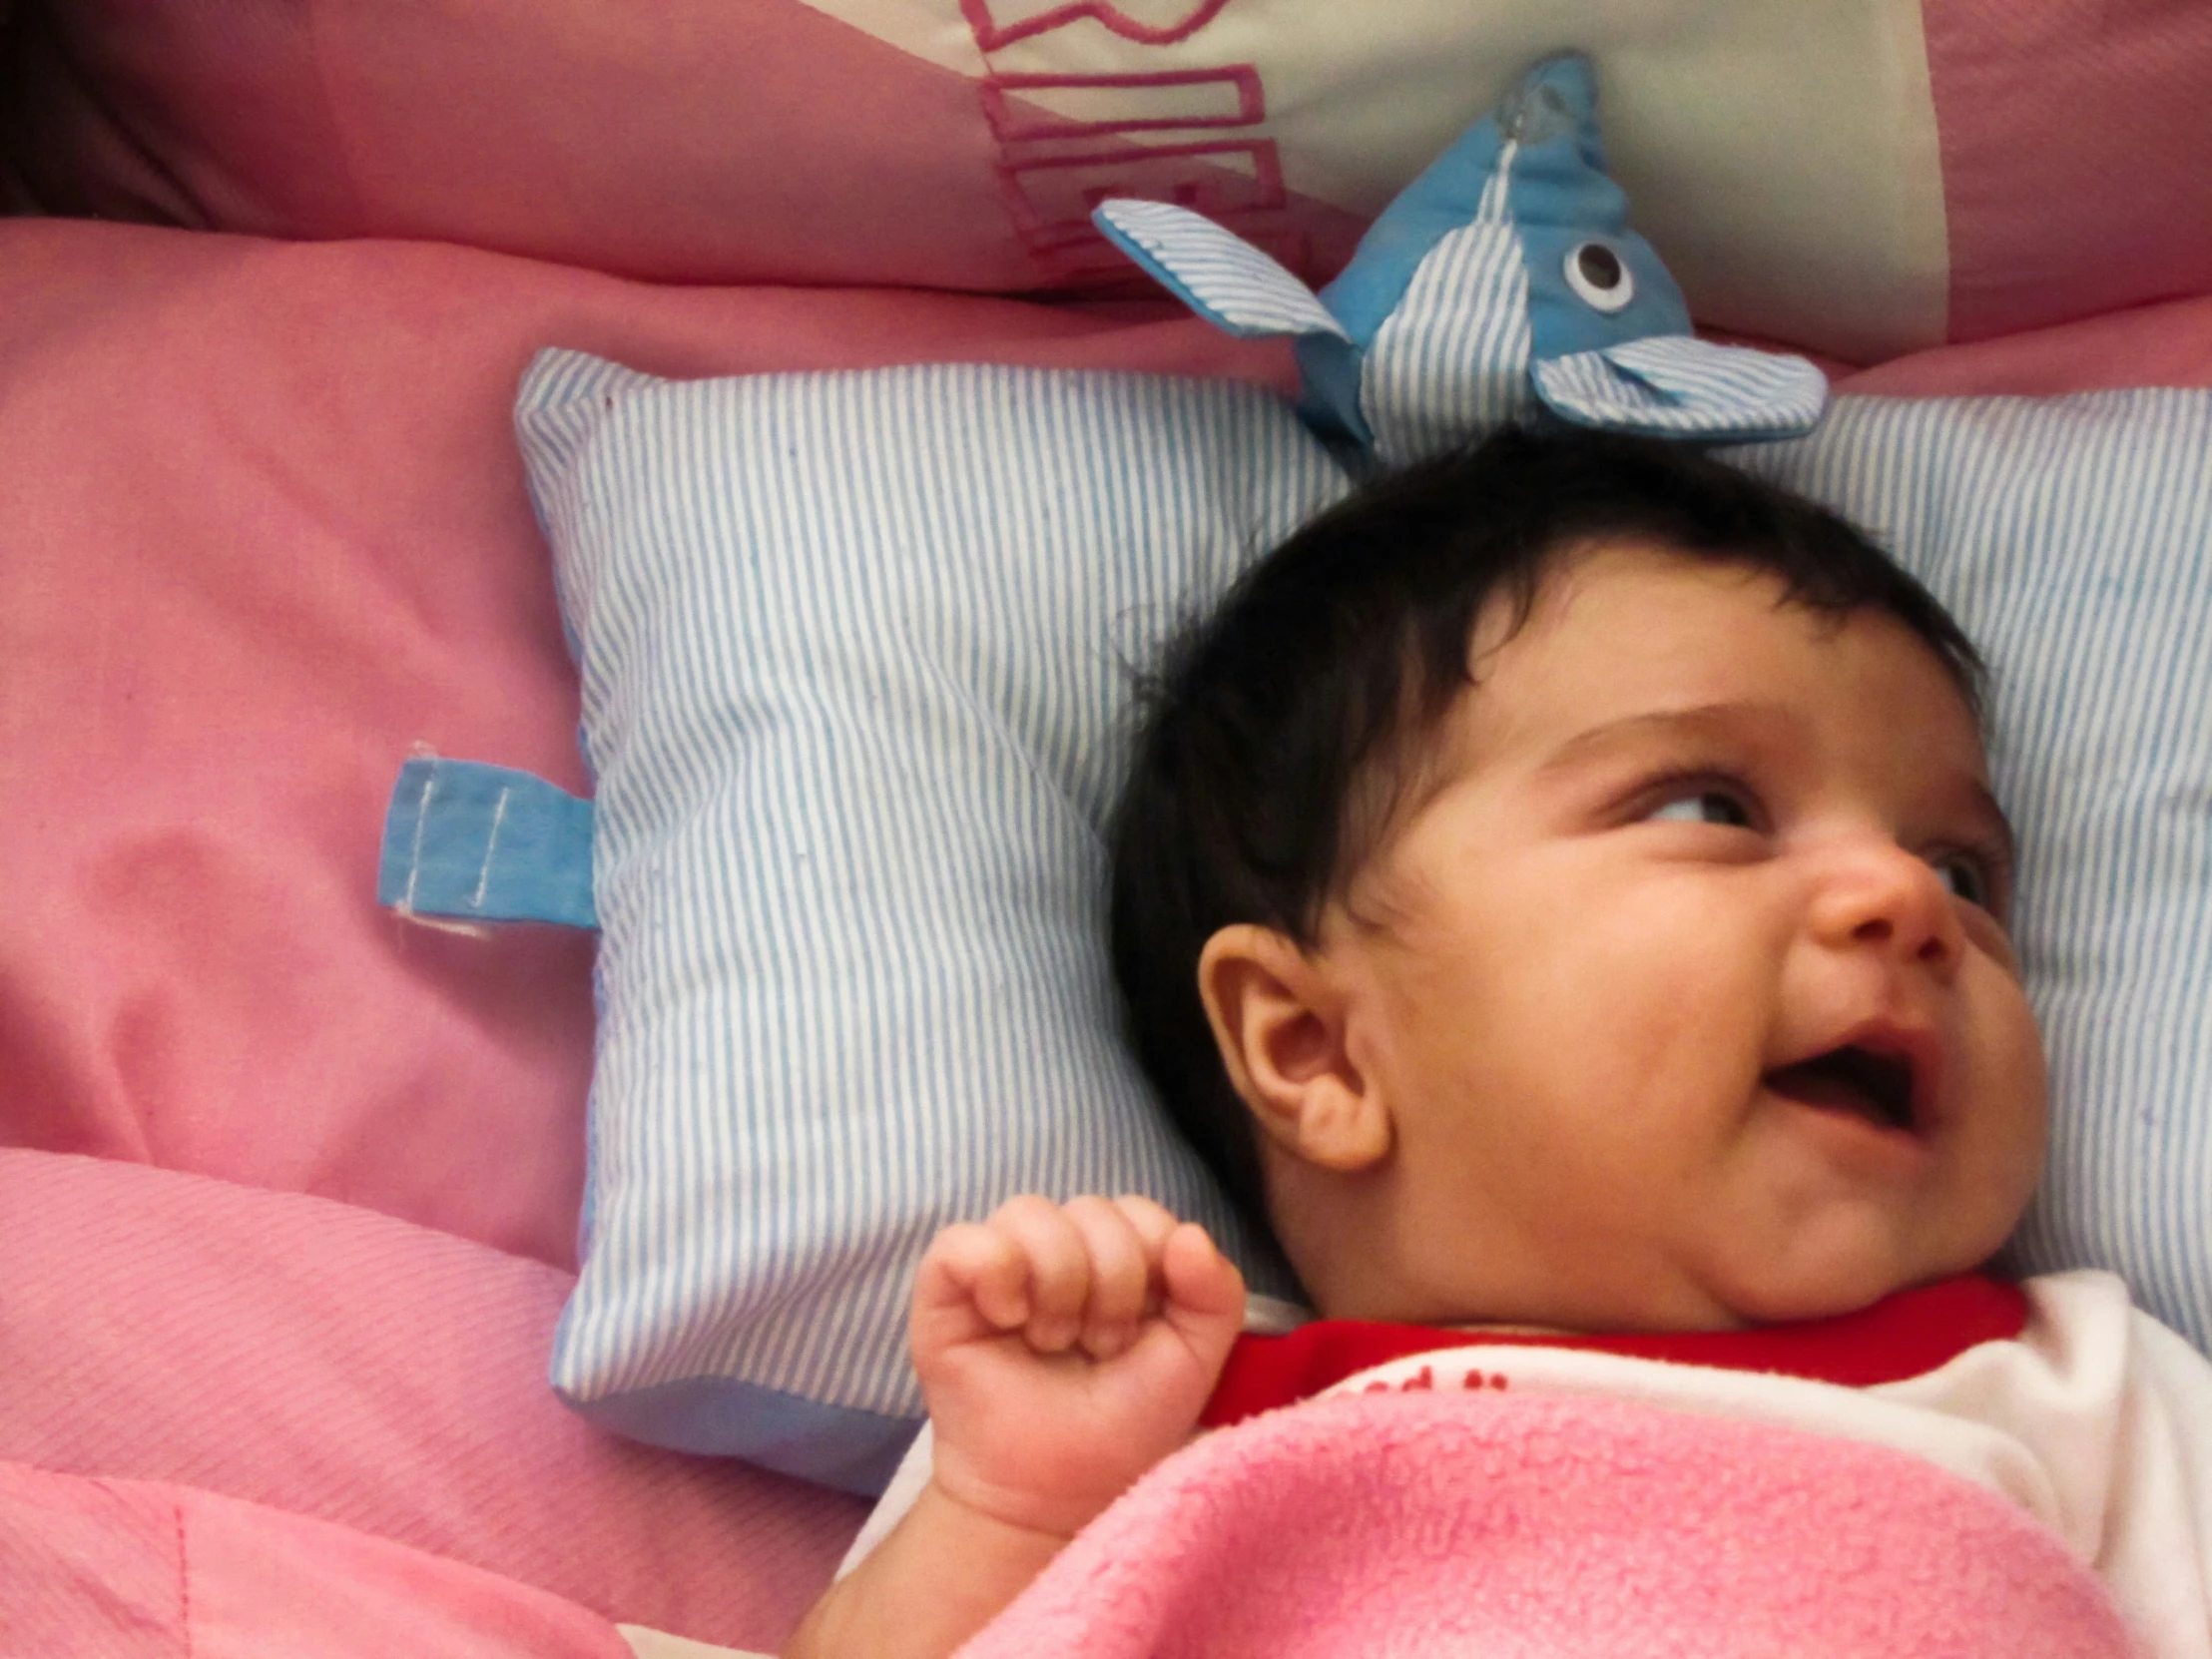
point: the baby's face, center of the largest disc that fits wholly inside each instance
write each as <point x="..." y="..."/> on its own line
<point x="1685" y="973"/>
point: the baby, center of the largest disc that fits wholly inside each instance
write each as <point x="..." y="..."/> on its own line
<point x="1560" y="891"/>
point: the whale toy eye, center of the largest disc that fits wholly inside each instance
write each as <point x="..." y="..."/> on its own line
<point x="1599" y="277"/>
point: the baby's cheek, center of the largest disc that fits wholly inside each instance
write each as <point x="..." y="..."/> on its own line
<point x="2010" y="1106"/>
<point x="2021" y="1059"/>
<point x="2032" y="1128"/>
<point x="1990" y="939"/>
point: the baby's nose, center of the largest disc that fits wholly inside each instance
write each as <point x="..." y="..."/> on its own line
<point x="1881" y="897"/>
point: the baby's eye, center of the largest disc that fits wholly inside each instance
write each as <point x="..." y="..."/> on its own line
<point x="1704" y="807"/>
<point x="1966" y="876"/>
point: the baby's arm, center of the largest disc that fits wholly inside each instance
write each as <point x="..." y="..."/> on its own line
<point x="1063" y="1350"/>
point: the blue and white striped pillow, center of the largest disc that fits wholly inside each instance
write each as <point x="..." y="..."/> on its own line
<point x="855" y="651"/>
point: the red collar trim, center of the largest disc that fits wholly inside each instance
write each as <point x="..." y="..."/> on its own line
<point x="1903" y="1336"/>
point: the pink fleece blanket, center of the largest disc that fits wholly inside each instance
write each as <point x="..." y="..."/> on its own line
<point x="1438" y="1525"/>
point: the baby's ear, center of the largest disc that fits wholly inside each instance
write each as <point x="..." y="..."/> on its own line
<point x="1279" y="1017"/>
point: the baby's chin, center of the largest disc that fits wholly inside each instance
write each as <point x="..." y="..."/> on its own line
<point x="1727" y="1286"/>
<point x="1829" y="1291"/>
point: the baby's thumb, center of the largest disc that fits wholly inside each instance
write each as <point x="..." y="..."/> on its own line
<point x="1205" y="1301"/>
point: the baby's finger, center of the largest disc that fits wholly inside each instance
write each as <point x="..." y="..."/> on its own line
<point x="976" y="1273"/>
<point x="1152" y="1221"/>
<point x="1204" y="1292"/>
<point x="1154" y="1224"/>
<point x="1059" y="1269"/>
<point x="1121" y="1273"/>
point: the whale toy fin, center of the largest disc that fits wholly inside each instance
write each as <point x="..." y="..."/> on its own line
<point x="1224" y="278"/>
<point x="1678" y="386"/>
<point x="1238" y="289"/>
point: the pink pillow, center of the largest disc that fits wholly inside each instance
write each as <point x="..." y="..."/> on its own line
<point x="2153" y="346"/>
<point x="1864" y="181"/>
<point x="262" y="530"/>
<point x="2076" y="148"/>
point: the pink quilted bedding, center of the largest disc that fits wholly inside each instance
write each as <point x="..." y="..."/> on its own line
<point x="289" y="1197"/>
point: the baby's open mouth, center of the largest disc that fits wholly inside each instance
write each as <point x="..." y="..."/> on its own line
<point x="1872" y="1085"/>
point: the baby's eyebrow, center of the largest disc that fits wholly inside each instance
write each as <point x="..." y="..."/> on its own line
<point x="1706" y="720"/>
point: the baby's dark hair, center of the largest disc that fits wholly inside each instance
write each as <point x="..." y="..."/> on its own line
<point x="1277" y="730"/>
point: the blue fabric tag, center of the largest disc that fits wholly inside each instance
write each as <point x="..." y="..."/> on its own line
<point x="485" y="844"/>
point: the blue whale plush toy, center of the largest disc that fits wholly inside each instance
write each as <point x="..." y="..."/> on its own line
<point x="1503" y="281"/>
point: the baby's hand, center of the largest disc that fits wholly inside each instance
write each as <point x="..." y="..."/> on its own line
<point x="1066" y="1348"/>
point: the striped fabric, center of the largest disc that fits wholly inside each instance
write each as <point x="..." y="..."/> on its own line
<point x="1451" y="362"/>
<point x="2073" y="539"/>
<point x="855" y="650"/>
<point x="1219" y="274"/>
<point x="1672" y="385"/>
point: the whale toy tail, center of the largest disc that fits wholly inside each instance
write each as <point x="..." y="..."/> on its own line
<point x="1502" y="281"/>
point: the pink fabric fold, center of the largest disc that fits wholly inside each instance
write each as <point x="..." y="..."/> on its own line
<point x="2168" y="344"/>
<point x="130" y="1570"/>
<point x="1439" y="1525"/>
<point x="343" y="1366"/>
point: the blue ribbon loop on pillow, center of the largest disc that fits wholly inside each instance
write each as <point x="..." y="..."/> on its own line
<point x="479" y="843"/>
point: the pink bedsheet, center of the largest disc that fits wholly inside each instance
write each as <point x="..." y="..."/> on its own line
<point x="131" y="1570"/>
<point x="382" y="1378"/>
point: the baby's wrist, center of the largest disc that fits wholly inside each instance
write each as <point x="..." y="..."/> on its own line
<point x="946" y="1570"/>
<point x="1028" y="1519"/>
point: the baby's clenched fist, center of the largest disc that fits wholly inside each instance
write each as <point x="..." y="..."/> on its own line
<point x="1065" y="1349"/>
